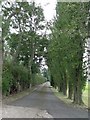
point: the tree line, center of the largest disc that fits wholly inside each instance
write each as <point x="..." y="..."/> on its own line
<point x="23" y="45"/>
<point x="66" y="59"/>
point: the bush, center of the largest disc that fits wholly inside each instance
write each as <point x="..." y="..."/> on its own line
<point x="38" y="79"/>
<point x="7" y="77"/>
<point x="14" y="76"/>
<point x="20" y="75"/>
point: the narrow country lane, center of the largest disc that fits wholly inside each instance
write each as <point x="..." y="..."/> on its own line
<point x="42" y="104"/>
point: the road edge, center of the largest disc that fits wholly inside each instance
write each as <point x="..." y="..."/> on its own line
<point x="66" y="100"/>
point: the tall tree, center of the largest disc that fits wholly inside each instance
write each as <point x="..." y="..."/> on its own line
<point x="21" y="39"/>
<point x="66" y="49"/>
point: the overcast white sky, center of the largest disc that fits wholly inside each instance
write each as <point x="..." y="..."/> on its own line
<point x="48" y="6"/>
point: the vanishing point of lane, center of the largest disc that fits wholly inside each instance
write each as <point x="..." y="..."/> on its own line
<point x="43" y="99"/>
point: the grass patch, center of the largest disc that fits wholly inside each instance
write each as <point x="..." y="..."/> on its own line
<point x="66" y="100"/>
<point x="86" y="95"/>
<point x="61" y="96"/>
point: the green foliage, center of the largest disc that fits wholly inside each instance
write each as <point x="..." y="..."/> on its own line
<point x="66" y="48"/>
<point x="7" y="78"/>
<point x="38" y="79"/>
<point x="12" y="76"/>
<point x="20" y="74"/>
<point x="23" y="47"/>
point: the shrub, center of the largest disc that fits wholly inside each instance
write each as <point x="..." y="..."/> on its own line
<point x="12" y="76"/>
<point x="38" y="79"/>
<point x="7" y="77"/>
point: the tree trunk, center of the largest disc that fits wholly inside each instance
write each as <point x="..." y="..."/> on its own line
<point x="60" y="87"/>
<point x="64" y="84"/>
<point x="78" y="88"/>
<point x="31" y="62"/>
<point x="75" y="99"/>
<point x="70" y="90"/>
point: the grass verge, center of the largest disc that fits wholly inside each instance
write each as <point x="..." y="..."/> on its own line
<point x="86" y="95"/>
<point x="65" y="99"/>
<point x="61" y="96"/>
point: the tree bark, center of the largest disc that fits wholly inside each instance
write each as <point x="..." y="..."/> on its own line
<point x="64" y="84"/>
<point x="70" y="90"/>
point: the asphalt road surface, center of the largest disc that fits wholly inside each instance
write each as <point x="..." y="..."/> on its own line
<point x="42" y="103"/>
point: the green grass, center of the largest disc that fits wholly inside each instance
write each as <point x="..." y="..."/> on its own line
<point x="61" y="96"/>
<point x="86" y="95"/>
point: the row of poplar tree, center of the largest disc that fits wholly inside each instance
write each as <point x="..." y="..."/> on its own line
<point x="66" y="59"/>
